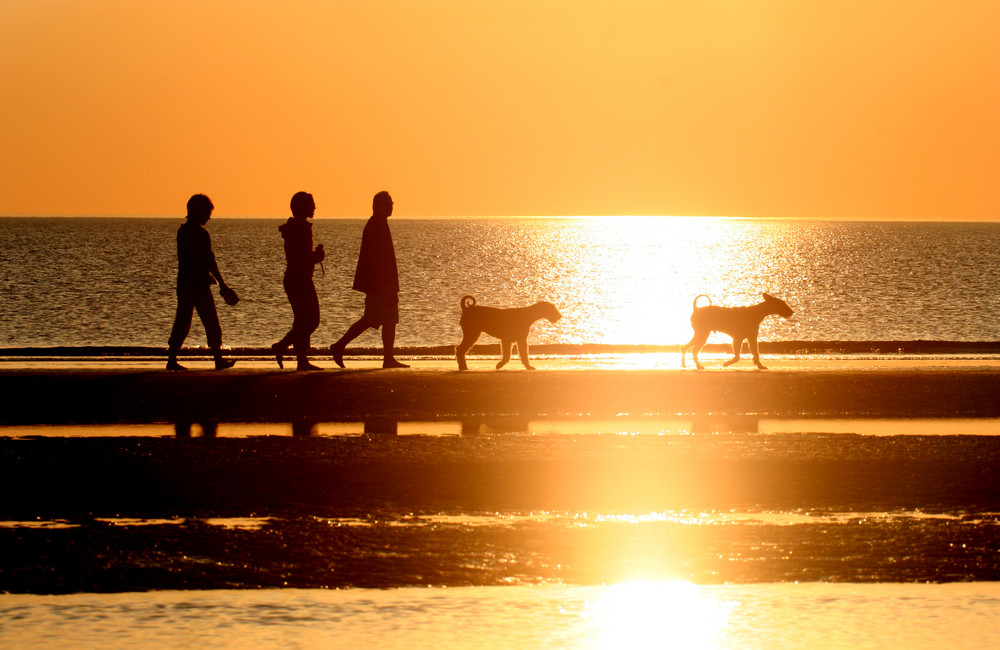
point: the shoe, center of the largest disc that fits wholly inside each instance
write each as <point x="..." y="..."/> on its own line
<point x="278" y="352"/>
<point x="338" y="354"/>
<point x="392" y="363"/>
<point x="222" y="364"/>
<point x="306" y="366"/>
<point x="173" y="365"/>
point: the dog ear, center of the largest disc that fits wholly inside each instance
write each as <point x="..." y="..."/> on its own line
<point x="768" y="296"/>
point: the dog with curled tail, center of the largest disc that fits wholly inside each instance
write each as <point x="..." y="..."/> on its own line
<point x="509" y="325"/>
<point x="741" y="323"/>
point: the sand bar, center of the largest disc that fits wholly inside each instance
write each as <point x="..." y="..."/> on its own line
<point x="143" y="395"/>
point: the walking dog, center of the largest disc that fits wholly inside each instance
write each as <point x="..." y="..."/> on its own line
<point x="738" y="322"/>
<point x="509" y="325"/>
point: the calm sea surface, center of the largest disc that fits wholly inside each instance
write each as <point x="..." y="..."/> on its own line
<point x="627" y="616"/>
<point x="631" y="281"/>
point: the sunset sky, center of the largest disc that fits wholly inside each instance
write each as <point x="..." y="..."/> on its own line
<point x="861" y="109"/>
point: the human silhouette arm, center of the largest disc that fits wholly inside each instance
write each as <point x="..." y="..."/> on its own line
<point x="213" y="269"/>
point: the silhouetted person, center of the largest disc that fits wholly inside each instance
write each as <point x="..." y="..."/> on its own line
<point x="197" y="271"/>
<point x="378" y="277"/>
<point x="300" y="260"/>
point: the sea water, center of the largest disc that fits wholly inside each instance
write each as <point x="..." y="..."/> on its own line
<point x="616" y="280"/>
<point x="630" y="616"/>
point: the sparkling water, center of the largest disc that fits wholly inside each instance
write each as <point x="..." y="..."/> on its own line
<point x="616" y="280"/>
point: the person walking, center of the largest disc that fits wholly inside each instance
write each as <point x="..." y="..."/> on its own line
<point x="300" y="261"/>
<point x="197" y="271"/>
<point x="377" y="276"/>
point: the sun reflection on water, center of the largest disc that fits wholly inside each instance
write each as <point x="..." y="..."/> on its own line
<point x="631" y="280"/>
<point x="646" y="614"/>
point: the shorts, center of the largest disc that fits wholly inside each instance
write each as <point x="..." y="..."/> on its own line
<point x="381" y="309"/>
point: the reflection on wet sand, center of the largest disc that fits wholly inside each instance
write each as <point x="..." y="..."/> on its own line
<point x="634" y="426"/>
<point x="629" y="498"/>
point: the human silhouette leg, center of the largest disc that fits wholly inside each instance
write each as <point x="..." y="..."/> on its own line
<point x="305" y="307"/>
<point x="302" y="348"/>
<point x="180" y="329"/>
<point x="286" y="341"/>
<point x="205" y="306"/>
<point x="388" y="345"/>
<point x="353" y="332"/>
<point x="305" y="319"/>
<point x="279" y="350"/>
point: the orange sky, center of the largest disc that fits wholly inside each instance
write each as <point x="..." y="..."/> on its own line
<point x="869" y="109"/>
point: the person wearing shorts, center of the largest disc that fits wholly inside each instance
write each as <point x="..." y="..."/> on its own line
<point x="377" y="276"/>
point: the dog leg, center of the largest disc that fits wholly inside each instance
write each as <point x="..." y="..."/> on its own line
<point x="468" y="340"/>
<point x="753" y="350"/>
<point x="522" y="352"/>
<point x="737" y="346"/>
<point x="505" y="350"/>
<point x="696" y="343"/>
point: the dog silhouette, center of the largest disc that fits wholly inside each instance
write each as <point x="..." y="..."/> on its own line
<point x="741" y="323"/>
<point x="509" y="325"/>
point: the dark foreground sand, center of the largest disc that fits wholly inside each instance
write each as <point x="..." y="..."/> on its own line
<point x="364" y="511"/>
<point x="396" y="487"/>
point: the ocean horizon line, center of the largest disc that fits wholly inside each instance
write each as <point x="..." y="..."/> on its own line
<point x="489" y="217"/>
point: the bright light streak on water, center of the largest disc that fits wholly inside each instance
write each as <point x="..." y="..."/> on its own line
<point x="642" y="614"/>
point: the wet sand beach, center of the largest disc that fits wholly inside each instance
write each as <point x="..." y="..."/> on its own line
<point x="489" y="504"/>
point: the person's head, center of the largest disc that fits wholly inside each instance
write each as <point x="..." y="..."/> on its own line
<point x="199" y="209"/>
<point x="382" y="205"/>
<point x="303" y="205"/>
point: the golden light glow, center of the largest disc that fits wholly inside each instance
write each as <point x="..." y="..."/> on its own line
<point x="644" y="614"/>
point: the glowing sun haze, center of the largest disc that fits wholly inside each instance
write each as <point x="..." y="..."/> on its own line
<point x="786" y="108"/>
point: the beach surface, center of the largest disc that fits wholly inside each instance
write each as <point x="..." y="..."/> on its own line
<point x="255" y="391"/>
<point x="493" y="503"/>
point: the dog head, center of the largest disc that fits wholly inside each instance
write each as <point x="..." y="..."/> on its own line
<point x="549" y="311"/>
<point x="777" y="306"/>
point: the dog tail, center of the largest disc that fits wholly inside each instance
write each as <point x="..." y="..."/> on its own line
<point x="468" y="301"/>
<point x="694" y="305"/>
